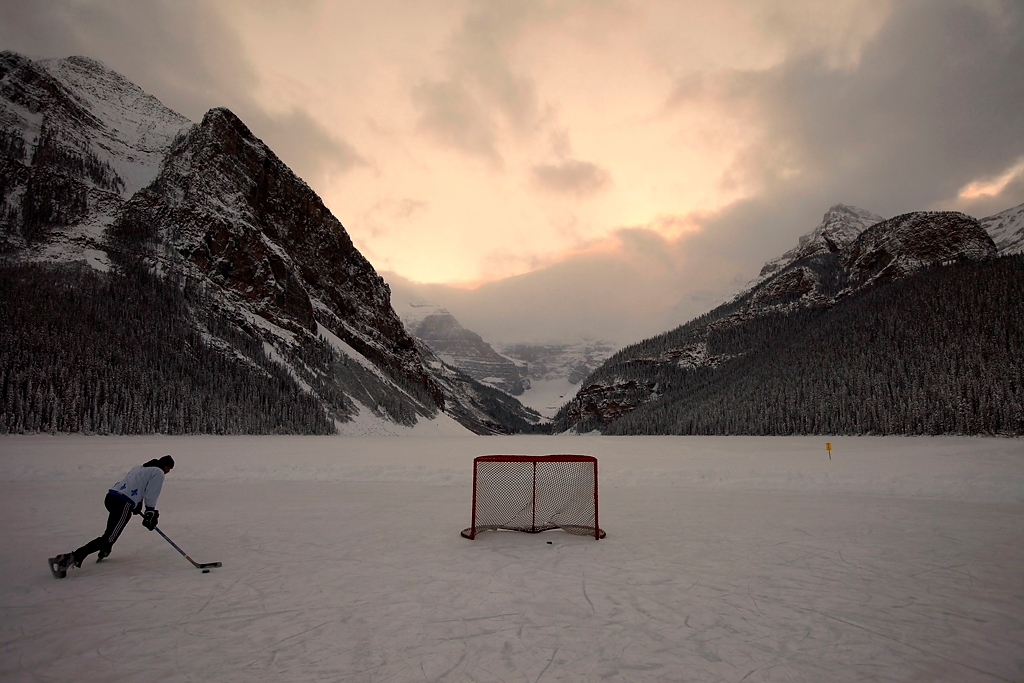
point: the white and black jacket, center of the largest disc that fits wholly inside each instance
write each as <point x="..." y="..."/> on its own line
<point x="142" y="484"/>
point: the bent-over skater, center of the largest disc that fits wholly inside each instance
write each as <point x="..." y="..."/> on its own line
<point x="140" y="487"/>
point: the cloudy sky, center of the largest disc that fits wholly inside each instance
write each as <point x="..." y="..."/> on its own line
<point x="603" y="168"/>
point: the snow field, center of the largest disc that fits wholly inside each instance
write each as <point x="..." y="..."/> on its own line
<point x="546" y="396"/>
<point x="727" y="559"/>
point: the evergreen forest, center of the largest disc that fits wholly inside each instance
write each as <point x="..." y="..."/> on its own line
<point x="939" y="352"/>
<point x="134" y="353"/>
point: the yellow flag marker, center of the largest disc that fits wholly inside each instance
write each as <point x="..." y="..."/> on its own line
<point x="828" y="447"/>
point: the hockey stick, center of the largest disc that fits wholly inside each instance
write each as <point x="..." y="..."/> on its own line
<point x="195" y="564"/>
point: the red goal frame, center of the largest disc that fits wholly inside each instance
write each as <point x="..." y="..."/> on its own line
<point x="512" y="491"/>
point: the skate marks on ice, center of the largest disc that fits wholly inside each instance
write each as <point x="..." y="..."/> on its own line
<point x="319" y="584"/>
<point x="370" y="581"/>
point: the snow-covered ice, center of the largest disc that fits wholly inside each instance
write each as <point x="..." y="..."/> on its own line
<point x="546" y="396"/>
<point x="727" y="559"/>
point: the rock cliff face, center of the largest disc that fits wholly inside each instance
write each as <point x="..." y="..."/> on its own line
<point x="897" y="247"/>
<point x="254" y="270"/>
<point x="240" y="218"/>
<point x="76" y="140"/>
<point x="465" y="349"/>
<point x="829" y="265"/>
<point x="841" y="225"/>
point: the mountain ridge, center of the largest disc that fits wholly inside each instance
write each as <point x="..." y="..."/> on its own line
<point x="251" y="269"/>
<point x="245" y="254"/>
<point x="799" y="289"/>
<point x="465" y="349"/>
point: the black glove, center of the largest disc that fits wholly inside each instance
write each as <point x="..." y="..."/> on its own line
<point x="149" y="519"/>
<point x="137" y="510"/>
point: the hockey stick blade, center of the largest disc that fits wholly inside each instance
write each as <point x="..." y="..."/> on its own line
<point x="184" y="554"/>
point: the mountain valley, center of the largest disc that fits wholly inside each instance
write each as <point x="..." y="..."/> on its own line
<point x="165" y="276"/>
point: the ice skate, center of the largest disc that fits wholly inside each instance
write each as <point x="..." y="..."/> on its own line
<point x="59" y="565"/>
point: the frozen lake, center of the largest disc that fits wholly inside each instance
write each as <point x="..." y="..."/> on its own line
<point x="727" y="559"/>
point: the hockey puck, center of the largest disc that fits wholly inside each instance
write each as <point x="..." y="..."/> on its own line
<point x="206" y="571"/>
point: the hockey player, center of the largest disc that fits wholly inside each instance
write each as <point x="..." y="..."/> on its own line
<point x="140" y="487"/>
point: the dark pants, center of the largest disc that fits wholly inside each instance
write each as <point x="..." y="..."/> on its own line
<point x="120" y="512"/>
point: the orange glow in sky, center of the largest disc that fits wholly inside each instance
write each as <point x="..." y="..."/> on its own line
<point x="493" y="138"/>
<point x="609" y="168"/>
<point x="992" y="186"/>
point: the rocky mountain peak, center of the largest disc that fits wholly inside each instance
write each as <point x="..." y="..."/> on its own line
<point x="905" y="243"/>
<point x="463" y="348"/>
<point x="235" y="212"/>
<point x="247" y="274"/>
<point x="839" y="227"/>
<point x="442" y="326"/>
<point x="77" y="140"/>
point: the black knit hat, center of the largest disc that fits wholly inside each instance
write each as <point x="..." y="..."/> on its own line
<point x="166" y="461"/>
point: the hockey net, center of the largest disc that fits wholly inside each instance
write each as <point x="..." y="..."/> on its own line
<point x="535" y="493"/>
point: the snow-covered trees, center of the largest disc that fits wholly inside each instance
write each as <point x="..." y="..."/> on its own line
<point x="940" y="352"/>
<point x="80" y="352"/>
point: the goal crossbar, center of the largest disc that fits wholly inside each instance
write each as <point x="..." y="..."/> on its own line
<point x="535" y="493"/>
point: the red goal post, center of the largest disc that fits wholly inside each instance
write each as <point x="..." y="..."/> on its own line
<point x="534" y="493"/>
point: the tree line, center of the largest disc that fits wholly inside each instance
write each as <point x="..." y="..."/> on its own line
<point x="87" y="352"/>
<point x="131" y="352"/>
<point x="940" y="352"/>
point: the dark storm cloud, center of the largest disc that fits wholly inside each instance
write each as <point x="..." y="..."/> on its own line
<point x="182" y="53"/>
<point x="579" y="178"/>
<point x="935" y="102"/>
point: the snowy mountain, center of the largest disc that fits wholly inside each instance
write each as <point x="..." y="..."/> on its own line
<point x="462" y="348"/>
<point x="1007" y="230"/>
<point x="569" y="361"/>
<point x="911" y="326"/>
<point x="539" y="375"/>
<point x="262" y="315"/>
<point x="136" y="128"/>
<point x="902" y="245"/>
<point x="841" y="225"/>
<point x="78" y="140"/>
<point x="555" y="370"/>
